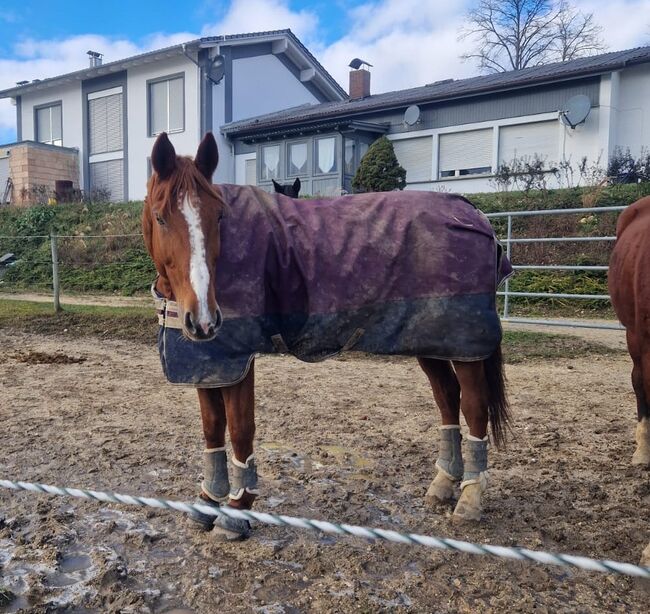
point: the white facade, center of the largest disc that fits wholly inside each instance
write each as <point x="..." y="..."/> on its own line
<point x="262" y="74"/>
<point x="140" y="142"/>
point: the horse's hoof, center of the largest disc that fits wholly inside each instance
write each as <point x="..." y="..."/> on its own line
<point x="203" y="521"/>
<point x="469" y="507"/>
<point x="441" y="490"/>
<point x="641" y="456"/>
<point x="645" y="557"/>
<point x="231" y="529"/>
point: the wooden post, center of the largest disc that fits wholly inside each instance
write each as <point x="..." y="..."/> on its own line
<point x="55" y="272"/>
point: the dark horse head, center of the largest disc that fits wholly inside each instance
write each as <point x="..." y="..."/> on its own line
<point x="289" y="189"/>
<point x="180" y="222"/>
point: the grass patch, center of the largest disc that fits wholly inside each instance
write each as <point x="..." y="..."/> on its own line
<point x="139" y="324"/>
<point x="523" y="346"/>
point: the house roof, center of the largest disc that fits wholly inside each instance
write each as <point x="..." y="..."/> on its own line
<point x="299" y="53"/>
<point x="440" y="91"/>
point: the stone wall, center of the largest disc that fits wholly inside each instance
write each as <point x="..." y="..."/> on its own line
<point x="34" y="169"/>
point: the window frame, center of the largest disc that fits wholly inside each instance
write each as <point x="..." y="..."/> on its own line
<point x="288" y="158"/>
<point x="261" y="178"/>
<point x="40" y="107"/>
<point x="469" y="172"/>
<point x="316" y="171"/>
<point x="162" y="79"/>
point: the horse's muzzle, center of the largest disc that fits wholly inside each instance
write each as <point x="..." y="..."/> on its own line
<point x="201" y="331"/>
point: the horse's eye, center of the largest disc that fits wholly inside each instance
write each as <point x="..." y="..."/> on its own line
<point x="160" y="219"/>
<point x="220" y="217"/>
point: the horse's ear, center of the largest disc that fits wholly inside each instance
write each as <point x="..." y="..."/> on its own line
<point x="276" y="186"/>
<point x="207" y="156"/>
<point x="296" y="185"/>
<point x="163" y="156"/>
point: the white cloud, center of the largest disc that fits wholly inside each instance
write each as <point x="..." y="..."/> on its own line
<point x="409" y="42"/>
<point x="626" y="23"/>
<point x="262" y="15"/>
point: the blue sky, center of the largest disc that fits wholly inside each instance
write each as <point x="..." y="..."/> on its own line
<point x="409" y="42"/>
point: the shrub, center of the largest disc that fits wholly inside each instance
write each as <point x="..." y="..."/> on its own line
<point x="379" y="170"/>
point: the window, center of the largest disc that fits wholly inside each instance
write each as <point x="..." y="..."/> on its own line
<point x="250" y="172"/>
<point x="270" y="168"/>
<point x="109" y="177"/>
<point x="297" y="159"/>
<point x="465" y="153"/>
<point x="348" y="156"/>
<point x="49" y="124"/>
<point x="416" y="157"/>
<point x="325" y="156"/>
<point x="166" y="105"/>
<point x="105" y="123"/>
<point x="539" y="139"/>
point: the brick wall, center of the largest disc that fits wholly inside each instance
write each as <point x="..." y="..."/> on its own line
<point x="34" y="168"/>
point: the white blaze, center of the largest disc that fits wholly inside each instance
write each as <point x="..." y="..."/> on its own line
<point x="199" y="272"/>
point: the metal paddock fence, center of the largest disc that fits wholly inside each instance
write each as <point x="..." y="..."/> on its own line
<point x="509" y="240"/>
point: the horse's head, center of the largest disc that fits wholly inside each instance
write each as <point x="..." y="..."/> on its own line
<point x="288" y="189"/>
<point x="180" y="222"/>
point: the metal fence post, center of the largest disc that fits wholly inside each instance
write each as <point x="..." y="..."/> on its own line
<point x="55" y="272"/>
<point x="506" y="298"/>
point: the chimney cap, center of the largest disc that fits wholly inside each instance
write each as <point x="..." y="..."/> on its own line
<point x="94" y="54"/>
<point x="356" y="63"/>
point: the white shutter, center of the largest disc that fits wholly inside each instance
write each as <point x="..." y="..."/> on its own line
<point x="416" y="156"/>
<point x="250" y="172"/>
<point x="105" y="121"/>
<point x="465" y="153"/>
<point x="108" y="176"/>
<point x="528" y="140"/>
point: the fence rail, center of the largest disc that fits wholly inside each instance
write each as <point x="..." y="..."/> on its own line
<point x="509" y="241"/>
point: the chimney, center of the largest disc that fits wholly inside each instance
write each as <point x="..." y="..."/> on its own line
<point x="95" y="58"/>
<point x="359" y="79"/>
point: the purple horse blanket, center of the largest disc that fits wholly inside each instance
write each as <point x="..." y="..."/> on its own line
<point x="411" y="273"/>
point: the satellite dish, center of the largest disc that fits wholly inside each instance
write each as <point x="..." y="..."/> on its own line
<point x="412" y="115"/>
<point x="217" y="69"/>
<point x="576" y="111"/>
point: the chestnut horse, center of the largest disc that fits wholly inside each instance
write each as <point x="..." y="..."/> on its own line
<point x="184" y="220"/>
<point x="629" y="288"/>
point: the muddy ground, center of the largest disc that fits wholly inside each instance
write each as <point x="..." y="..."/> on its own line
<point x="349" y="440"/>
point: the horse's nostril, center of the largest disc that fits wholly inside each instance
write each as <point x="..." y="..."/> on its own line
<point x="189" y="324"/>
<point x="217" y="319"/>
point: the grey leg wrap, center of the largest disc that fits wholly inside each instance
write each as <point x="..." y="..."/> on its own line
<point x="244" y="478"/>
<point x="450" y="459"/>
<point x="476" y="459"/>
<point x="215" y="475"/>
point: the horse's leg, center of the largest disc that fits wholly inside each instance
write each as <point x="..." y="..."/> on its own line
<point x="474" y="405"/>
<point x="446" y="393"/>
<point x="215" y="485"/>
<point x="239" y="401"/>
<point x="641" y="385"/>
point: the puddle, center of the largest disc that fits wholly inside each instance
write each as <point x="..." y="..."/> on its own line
<point x="343" y="455"/>
<point x="74" y="562"/>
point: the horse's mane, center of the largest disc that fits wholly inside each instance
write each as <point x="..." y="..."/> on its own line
<point x="186" y="179"/>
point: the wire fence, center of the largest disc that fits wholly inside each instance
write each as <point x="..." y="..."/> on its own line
<point x="118" y="263"/>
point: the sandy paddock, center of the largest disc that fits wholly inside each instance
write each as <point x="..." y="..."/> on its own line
<point x="350" y="440"/>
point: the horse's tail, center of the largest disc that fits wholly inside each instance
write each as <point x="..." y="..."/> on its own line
<point x="498" y="407"/>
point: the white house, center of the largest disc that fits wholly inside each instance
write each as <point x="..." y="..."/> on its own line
<point x="111" y="112"/>
<point x="454" y="134"/>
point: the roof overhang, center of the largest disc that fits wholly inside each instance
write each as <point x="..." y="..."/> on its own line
<point x="344" y="126"/>
<point x="282" y="41"/>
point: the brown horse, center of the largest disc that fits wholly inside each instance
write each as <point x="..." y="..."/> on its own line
<point x="629" y="288"/>
<point x="186" y="220"/>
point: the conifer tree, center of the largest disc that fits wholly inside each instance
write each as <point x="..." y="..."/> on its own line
<point x="379" y="170"/>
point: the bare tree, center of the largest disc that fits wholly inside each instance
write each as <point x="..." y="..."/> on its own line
<point x="515" y="34"/>
<point x="577" y="34"/>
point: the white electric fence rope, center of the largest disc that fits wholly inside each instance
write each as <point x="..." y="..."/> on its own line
<point x="520" y="554"/>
